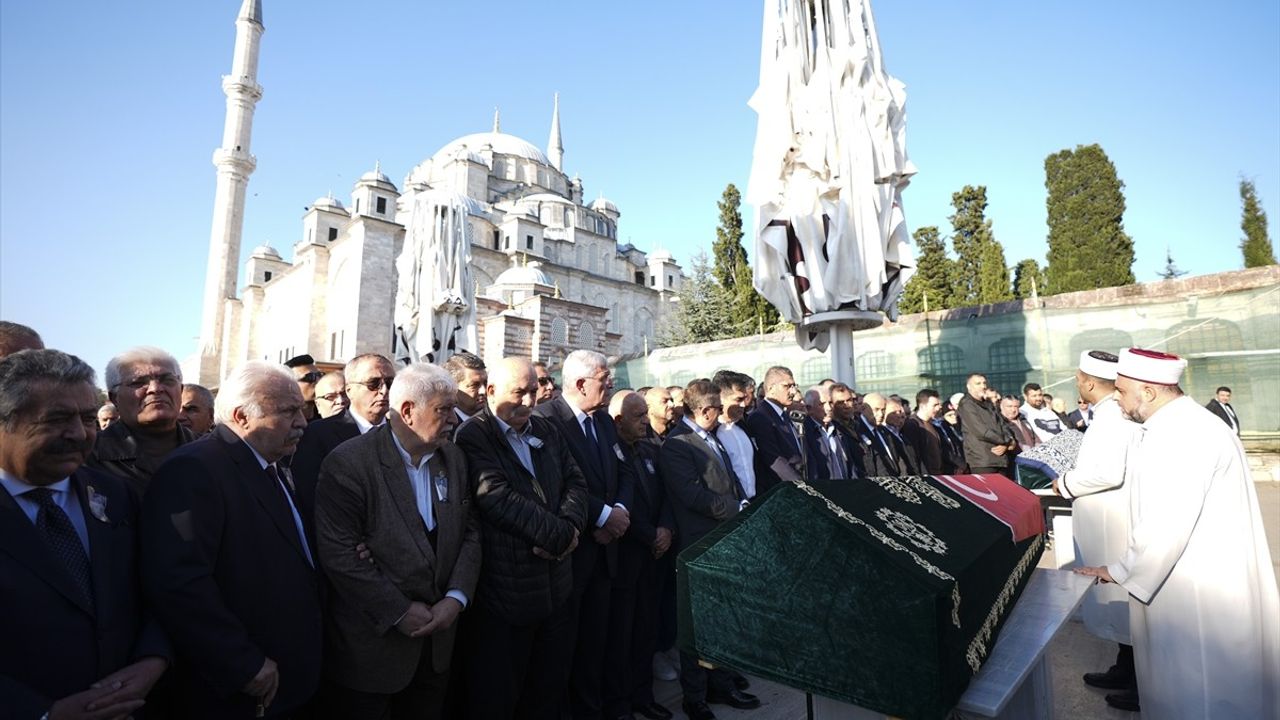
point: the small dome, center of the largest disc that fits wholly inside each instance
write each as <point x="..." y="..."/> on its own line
<point x="376" y="176"/>
<point x="604" y="205"/>
<point x="328" y="203"/>
<point x="530" y="274"/>
<point x="266" y="252"/>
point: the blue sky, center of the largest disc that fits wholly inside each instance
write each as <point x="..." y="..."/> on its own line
<point x="109" y="113"/>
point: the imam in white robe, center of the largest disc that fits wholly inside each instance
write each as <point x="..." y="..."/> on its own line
<point x="1205" y="613"/>
<point x="1100" y="513"/>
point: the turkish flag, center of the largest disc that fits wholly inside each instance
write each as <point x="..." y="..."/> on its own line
<point x="1002" y="499"/>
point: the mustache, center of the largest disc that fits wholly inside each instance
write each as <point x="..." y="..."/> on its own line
<point x="65" y="448"/>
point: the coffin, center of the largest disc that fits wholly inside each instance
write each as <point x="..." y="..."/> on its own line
<point x="886" y="593"/>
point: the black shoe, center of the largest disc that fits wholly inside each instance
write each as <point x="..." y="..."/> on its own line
<point x="741" y="682"/>
<point x="697" y="711"/>
<point x="1124" y="701"/>
<point x="735" y="698"/>
<point x="1112" y="679"/>
<point x="654" y="711"/>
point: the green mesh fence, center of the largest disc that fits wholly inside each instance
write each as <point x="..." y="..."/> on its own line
<point x="1230" y="337"/>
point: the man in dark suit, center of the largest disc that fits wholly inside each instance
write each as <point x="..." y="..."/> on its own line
<point x="829" y="454"/>
<point x="401" y="490"/>
<point x="895" y="416"/>
<point x="76" y="642"/>
<point x="879" y="452"/>
<point x="778" y="453"/>
<point x="846" y="416"/>
<point x="581" y="417"/>
<point x="1080" y="418"/>
<point x="703" y="491"/>
<point x="1220" y="405"/>
<point x="226" y="563"/>
<point x="532" y="502"/>
<point x="633" y="607"/>
<point x="369" y="379"/>
<point x="468" y="371"/>
<point x="923" y="436"/>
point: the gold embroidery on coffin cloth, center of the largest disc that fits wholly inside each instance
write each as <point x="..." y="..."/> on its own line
<point x="896" y="488"/>
<point x="978" y="648"/>
<point x="910" y="530"/>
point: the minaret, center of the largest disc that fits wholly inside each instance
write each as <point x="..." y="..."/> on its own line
<point x="234" y="164"/>
<point x="555" y="150"/>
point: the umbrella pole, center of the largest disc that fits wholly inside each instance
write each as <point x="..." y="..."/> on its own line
<point x="840" y="326"/>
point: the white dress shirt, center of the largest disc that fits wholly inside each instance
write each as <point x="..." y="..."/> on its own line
<point x="423" y="485"/>
<point x="364" y="425"/>
<point x="63" y="495"/>
<point x="741" y="454"/>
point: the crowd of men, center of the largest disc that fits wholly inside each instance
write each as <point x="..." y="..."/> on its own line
<point x="461" y="541"/>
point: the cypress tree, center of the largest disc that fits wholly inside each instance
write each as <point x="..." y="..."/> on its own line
<point x="1023" y="274"/>
<point x="1088" y="247"/>
<point x="934" y="272"/>
<point x="1256" y="246"/>
<point x="980" y="275"/>
<point x="748" y="308"/>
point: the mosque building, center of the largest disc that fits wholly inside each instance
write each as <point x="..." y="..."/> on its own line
<point x="549" y="274"/>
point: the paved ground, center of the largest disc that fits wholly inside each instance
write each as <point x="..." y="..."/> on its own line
<point x="1071" y="654"/>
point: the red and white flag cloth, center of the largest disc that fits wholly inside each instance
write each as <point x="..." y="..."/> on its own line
<point x="1002" y="499"/>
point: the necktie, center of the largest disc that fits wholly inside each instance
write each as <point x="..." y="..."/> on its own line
<point x="589" y="429"/>
<point x="290" y="512"/>
<point x="837" y="462"/>
<point x="61" y="536"/>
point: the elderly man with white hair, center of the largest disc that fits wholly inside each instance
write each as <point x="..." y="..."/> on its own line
<point x="227" y="564"/>
<point x="582" y="417"/>
<point x="1204" y="611"/>
<point x="401" y="490"/>
<point x="145" y="384"/>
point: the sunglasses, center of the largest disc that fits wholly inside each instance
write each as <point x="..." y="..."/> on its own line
<point x="375" y="384"/>
<point x="311" y="378"/>
<point x="546" y="381"/>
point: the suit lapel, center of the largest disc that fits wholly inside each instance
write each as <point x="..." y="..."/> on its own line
<point x="100" y="555"/>
<point x="262" y="488"/>
<point x="578" y="438"/>
<point x="21" y="540"/>
<point x="396" y="480"/>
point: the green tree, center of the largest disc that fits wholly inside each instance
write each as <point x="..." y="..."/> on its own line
<point x="1170" y="271"/>
<point x="1256" y="246"/>
<point x="1088" y="247"/>
<point x="980" y="275"/>
<point x="934" y="271"/>
<point x="749" y="308"/>
<point x="703" y="309"/>
<point x="1026" y="276"/>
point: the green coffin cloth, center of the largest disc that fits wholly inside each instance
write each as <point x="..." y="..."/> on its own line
<point x="886" y="593"/>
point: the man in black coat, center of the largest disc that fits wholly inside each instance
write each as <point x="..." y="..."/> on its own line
<point x="1220" y="405"/>
<point x="704" y="492"/>
<point x="778" y="452"/>
<point x="226" y="562"/>
<point x="923" y="436"/>
<point x="828" y="451"/>
<point x="368" y="388"/>
<point x="581" y="417"/>
<point x="988" y="441"/>
<point x="532" y="502"/>
<point x="880" y="454"/>
<point x="633" y="607"/>
<point x="75" y="638"/>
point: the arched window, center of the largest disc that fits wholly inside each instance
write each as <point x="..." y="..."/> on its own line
<point x="941" y="367"/>
<point x="813" y="370"/>
<point x="1209" y="346"/>
<point x="559" y="331"/>
<point x="586" y="336"/>
<point x="1007" y="360"/>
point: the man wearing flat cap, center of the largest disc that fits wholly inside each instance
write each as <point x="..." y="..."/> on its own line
<point x="1100" y="517"/>
<point x="1204" y="611"/>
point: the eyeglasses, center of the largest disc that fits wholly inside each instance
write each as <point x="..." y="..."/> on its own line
<point x="311" y="378"/>
<point x="166" y="380"/>
<point x="374" y="384"/>
<point x="546" y="381"/>
<point x="333" y="397"/>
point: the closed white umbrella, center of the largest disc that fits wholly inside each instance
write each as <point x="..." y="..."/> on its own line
<point x="829" y="166"/>
<point x="435" y="314"/>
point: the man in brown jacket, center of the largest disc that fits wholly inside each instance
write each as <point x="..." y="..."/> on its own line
<point x="402" y="490"/>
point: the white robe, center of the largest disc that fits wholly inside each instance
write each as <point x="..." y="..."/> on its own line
<point x="1205" y="613"/>
<point x="1100" y="513"/>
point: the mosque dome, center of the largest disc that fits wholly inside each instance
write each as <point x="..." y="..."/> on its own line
<point x="328" y="203"/>
<point x="376" y="176"/>
<point x="604" y="205"/>
<point x="501" y="143"/>
<point x="265" y="252"/>
<point x="530" y="274"/>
